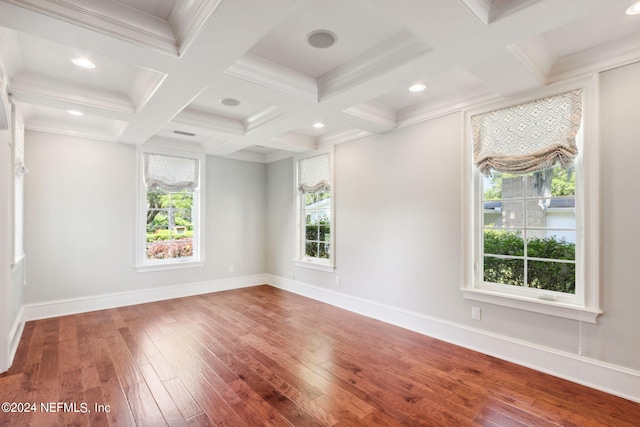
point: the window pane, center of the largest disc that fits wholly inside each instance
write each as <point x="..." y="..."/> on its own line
<point x="503" y="186"/>
<point x="181" y="248"/>
<point x="512" y="186"/>
<point x="311" y="249"/>
<point x="323" y="216"/>
<point x="504" y="271"/>
<point x="502" y="242"/>
<point x="325" y="233"/>
<point x="512" y="214"/>
<point x="554" y="182"/>
<point x="558" y="245"/>
<point x="157" y="250"/>
<point x="311" y="198"/>
<point x="323" y="251"/>
<point x="312" y="233"/>
<point x="536" y="212"/>
<point x="552" y="276"/>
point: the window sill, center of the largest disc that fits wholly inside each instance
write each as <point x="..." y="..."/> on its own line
<point x="551" y="308"/>
<point x="143" y="268"/>
<point x="314" y="265"/>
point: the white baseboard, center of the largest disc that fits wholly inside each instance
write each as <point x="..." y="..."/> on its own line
<point x="15" y="334"/>
<point x="65" y="307"/>
<point x="602" y="376"/>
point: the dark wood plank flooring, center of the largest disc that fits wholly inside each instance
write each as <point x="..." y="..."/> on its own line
<point x="262" y="356"/>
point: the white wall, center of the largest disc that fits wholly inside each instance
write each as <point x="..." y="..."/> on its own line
<point x="399" y="239"/>
<point x="80" y="212"/>
<point x="280" y="218"/>
<point x="617" y="338"/>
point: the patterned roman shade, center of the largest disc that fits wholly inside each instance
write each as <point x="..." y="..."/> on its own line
<point x="170" y="173"/>
<point x="314" y="174"/>
<point x="528" y="137"/>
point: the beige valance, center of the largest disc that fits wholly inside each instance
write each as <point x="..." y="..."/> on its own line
<point x="314" y="174"/>
<point x="170" y="173"/>
<point x="528" y="137"/>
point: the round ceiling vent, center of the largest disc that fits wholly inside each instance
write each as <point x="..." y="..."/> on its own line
<point x="230" y="102"/>
<point x="322" y="39"/>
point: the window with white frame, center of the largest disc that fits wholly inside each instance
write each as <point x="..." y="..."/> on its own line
<point x="314" y="200"/>
<point x="171" y="226"/>
<point x="527" y="233"/>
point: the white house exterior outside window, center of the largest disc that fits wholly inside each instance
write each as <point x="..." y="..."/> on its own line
<point x="532" y="222"/>
<point x="170" y="225"/>
<point x="315" y="231"/>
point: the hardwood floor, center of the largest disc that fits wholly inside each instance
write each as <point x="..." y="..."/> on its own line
<point x="262" y="356"/>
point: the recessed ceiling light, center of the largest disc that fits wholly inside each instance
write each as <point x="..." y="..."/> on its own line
<point x="75" y="112"/>
<point x="322" y="39"/>
<point x="318" y="125"/>
<point x="83" y="63"/>
<point x="419" y="87"/>
<point x="634" y="9"/>
<point x="229" y="102"/>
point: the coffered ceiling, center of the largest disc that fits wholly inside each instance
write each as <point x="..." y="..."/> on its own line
<point x="239" y="78"/>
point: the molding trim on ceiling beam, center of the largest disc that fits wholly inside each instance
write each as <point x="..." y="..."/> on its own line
<point x="398" y="50"/>
<point x="113" y="20"/>
<point x="375" y="113"/>
<point x="171" y="37"/>
<point x="264" y="118"/>
<point x="210" y="121"/>
<point x="29" y="84"/>
<point x="257" y="70"/>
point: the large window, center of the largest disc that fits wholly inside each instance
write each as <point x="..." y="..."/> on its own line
<point x="314" y="207"/>
<point x="531" y="230"/>
<point x="170" y="219"/>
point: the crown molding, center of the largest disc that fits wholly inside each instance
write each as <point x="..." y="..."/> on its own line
<point x="246" y="156"/>
<point x="536" y="55"/>
<point x="110" y="18"/>
<point x="374" y="112"/>
<point x="107" y="135"/>
<point x="342" y="136"/>
<point x="280" y="155"/>
<point x="293" y="142"/>
<point x="394" y="52"/>
<point x="210" y="121"/>
<point x="187" y="29"/>
<point x="162" y="142"/>
<point x="257" y="70"/>
<point x="601" y="58"/>
<point x="480" y="9"/>
<point x="454" y="101"/>
<point x="264" y="118"/>
<point x="144" y="85"/>
<point x="38" y="85"/>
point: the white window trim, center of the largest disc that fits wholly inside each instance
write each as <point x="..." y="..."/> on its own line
<point x="299" y="259"/>
<point x="141" y="263"/>
<point x="585" y="306"/>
